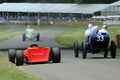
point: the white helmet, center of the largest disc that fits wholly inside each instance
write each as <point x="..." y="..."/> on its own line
<point x="28" y="26"/>
<point x="90" y="26"/>
<point x="104" y="27"/>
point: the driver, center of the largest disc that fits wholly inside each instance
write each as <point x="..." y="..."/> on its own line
<point x="28" y="27"/>
<point x="103" y="30"/>
<point x="91" y="30"/>
<point x="32" y="45"/>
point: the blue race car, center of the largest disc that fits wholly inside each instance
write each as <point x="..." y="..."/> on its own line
<point x="95" y="44"/>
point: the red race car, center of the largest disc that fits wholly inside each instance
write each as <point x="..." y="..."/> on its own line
<point x="34" y="54"/>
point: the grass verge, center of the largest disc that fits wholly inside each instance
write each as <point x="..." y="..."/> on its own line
<point x="9" y="71"/>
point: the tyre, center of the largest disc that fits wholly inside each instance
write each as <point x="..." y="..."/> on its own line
<point x="11" y="55"/>
<point x="56" y="56"/>
<point x="24" y="37"/>
<point x="38" y="37"/>
<point x="19" y="58"/>
<point x="105" y="53"/>
<point x="84" y="50"/>
<point x="76" y="49"/>
<point x="113" y="49"/>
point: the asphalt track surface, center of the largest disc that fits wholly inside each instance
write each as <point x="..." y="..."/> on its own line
<point x="95" y="67"/>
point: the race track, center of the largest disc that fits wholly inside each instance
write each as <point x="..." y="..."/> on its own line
<point x="95" y="67"/>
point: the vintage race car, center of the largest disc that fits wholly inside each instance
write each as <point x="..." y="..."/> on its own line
<point x="95" y="44"/>
<point x="34" y="54"/>
<point x="31" y="34"/>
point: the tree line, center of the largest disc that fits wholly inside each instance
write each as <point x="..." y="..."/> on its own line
<point x="63" y="1"/>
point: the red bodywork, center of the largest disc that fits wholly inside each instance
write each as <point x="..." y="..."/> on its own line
<point x="36" y="54"/>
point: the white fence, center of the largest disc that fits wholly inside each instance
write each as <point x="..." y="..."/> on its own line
<point x="112" y="22"/>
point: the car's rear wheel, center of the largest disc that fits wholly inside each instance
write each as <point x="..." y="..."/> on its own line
<point x="84" y="50"/>
<point x="76" y="49"/>
<point x="38" y="37"/>
<point x="56" y="55"/>
<point x="11" y="55"/>
<point x="24" y="37"/>
<point x="19" y="58"/>
<point x="113" y="49"/>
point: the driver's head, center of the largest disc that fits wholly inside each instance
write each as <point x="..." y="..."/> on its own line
<point x="104" y="27"/>
<point x="90" y="26"/>
<point x="33" y="45"/>
<point x="28" y="27"/>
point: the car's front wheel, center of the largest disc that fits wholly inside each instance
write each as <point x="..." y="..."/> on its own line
<point x="105" y="53"/>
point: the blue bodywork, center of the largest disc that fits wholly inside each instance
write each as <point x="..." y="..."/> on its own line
<point x="98" y="42"/>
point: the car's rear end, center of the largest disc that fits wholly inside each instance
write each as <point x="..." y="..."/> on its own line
<point x="30" y="33"/>
<point x="99" y="42"/>
<point x="33" y="55"/>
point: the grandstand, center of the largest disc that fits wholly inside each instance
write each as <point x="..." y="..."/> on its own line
<point x="59" y="11"/>
<point x="31" y="11"/>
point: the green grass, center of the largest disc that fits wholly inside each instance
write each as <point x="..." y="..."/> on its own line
<point x="77" y="33"/>
<point x="9" y="71"/>
<point x="67" y="38"/>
